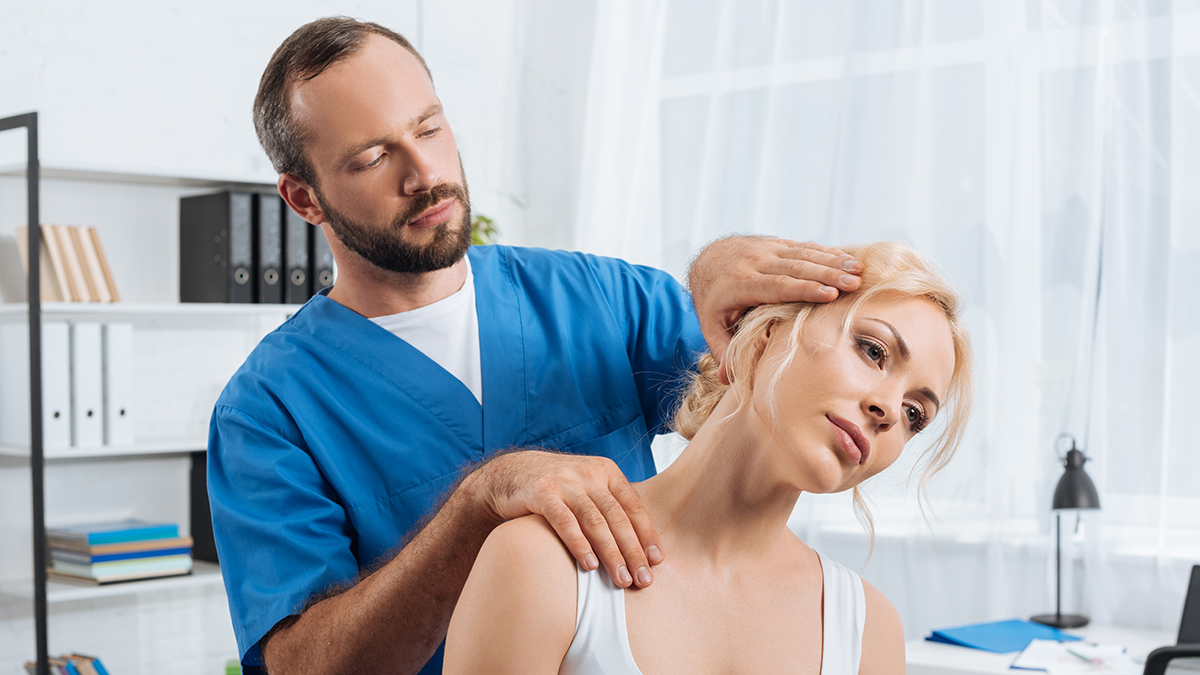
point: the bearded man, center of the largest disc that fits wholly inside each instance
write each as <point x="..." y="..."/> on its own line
<point x="364" y="451"/>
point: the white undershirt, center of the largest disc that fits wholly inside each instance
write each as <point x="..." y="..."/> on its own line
<point x="446" y="331"/>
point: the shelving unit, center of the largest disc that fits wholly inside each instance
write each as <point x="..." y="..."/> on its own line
<point x="58" y="592"/>
<point x="147" y="448"/>
<point x="184" y="352"/>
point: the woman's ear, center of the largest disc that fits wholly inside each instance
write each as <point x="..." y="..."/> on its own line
<point x="757" y="347"/>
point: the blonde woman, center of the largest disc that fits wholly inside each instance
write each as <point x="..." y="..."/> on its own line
<point x="819" y="399"/>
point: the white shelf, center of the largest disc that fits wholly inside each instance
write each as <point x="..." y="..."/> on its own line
<point x="203" y="574"/>
<point x="121" y="309"/>
<point x="139" y="177"/>
<point x="162" y="447"/>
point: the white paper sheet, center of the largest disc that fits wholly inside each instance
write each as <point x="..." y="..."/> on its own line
<point x="1076" y="658"/>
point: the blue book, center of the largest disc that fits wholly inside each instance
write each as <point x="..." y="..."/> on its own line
<point x="94" y="534"/>
<point x="86" y="559"/>
<point x="125" y="567"/>
<point x="1001" y="637"/>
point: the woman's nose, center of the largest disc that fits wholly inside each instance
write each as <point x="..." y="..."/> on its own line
<point x="882" y="411"/>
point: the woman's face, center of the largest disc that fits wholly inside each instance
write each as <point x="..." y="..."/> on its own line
<point x="847" y="403"/>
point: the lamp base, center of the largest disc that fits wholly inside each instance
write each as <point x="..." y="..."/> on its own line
<point x="1061" y="620"/>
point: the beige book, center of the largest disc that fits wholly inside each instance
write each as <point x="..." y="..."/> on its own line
<point x="95" y="274"/>
<point x="60" y="269"/>
<point x="74" y="267"/>
<point x="108" y="277"/>
<point x="84" y="267"/>
<point x="122" y="547"/>
<point x="49" y="289"/>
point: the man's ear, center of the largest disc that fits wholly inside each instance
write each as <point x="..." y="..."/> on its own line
<point x="301" y="198"/>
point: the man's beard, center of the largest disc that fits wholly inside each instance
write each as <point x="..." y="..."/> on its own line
<point x="386" y="248"/>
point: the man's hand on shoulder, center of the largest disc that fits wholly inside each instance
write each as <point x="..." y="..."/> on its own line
<point x="735" y="273"/>
<point x="588" y="502"/>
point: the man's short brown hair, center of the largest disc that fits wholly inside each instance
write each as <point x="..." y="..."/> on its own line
<point x="304" y="55"/>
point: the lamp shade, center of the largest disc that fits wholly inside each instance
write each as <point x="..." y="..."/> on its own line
<point x="1075" y="489"/>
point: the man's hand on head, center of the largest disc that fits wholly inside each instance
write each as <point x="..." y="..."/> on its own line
<point x="587" y="501"/>
<point x="736" y="273"/>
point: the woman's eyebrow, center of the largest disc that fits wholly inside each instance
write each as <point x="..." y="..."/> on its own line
<point x="904" y="353"/>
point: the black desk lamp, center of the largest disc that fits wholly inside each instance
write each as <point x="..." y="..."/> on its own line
<point x="1075" y="491"/>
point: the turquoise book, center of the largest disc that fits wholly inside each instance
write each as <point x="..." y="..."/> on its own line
<point x="93" y="534"/>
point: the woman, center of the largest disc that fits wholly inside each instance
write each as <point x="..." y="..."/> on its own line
<point x="820" y="398"/>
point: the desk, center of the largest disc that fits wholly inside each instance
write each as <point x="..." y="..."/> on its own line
<point x="931" y="658"/>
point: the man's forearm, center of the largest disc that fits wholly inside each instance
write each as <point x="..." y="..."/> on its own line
<point x="393" y="620"/>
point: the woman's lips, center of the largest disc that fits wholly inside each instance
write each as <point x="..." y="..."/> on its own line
<point x="436" y="215"/>
<point x="852" y="439"/>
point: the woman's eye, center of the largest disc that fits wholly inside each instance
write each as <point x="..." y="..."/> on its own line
<point x="916" y="417"/>
<point x="873" y="350"/>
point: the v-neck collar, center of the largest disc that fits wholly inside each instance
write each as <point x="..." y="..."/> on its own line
<point x="502" y="357"/>
<point x="502" y="420"/>
<point x="413" y="373"/>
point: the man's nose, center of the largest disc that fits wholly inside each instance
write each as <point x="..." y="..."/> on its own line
<point x="422" y="174"/>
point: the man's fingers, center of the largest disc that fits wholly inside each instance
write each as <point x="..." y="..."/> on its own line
<point x="566" y="525"/>
<point x="631" y="560"/>
<point x="639" y="519"/>
<point x="818" y="254"/>
<point x="837" y="277"/>
<point x="596" y="528"/>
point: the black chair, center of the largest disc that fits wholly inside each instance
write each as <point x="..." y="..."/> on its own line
<point x="1185" y="656"/>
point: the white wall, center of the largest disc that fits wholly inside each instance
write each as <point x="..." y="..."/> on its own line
<point x="166" y="88"/>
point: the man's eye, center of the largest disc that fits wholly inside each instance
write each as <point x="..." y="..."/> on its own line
<point x="429" y="132"/>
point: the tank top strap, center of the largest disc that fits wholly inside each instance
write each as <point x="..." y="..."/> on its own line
<point x="601" y="644"/>
<point x="845" y="615"/>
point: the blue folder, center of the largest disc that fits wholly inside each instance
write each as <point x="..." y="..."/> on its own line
<point x="1001" y="637"/>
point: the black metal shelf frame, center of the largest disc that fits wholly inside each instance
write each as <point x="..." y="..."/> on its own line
<point x="29" y="122"/>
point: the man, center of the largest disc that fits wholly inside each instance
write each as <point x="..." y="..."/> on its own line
<point x="336" y="439"/>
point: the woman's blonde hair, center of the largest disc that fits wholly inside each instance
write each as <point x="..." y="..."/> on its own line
<point x="890" y="269"/>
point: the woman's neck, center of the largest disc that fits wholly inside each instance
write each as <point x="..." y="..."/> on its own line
<point x="723" y="499"/>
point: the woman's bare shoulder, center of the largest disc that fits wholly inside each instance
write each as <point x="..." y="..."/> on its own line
<point x="517" y="610"/>
<point x="883" y="635"/>
<point x="529" y="536"/>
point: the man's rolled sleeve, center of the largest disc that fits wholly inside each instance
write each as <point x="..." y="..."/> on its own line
<point x="282" y="534"/>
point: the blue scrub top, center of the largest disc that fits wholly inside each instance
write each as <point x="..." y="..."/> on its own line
<point x="335" y="438"/>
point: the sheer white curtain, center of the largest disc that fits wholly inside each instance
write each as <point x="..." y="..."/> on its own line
<point x="1047" y="155"/>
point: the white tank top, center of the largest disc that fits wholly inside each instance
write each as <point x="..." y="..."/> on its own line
<point x="601" y="644"/>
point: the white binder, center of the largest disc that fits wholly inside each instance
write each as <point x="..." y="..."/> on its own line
<point x="87" y="390"/>
<point x="56" y="385"/>
<point x="118" y="383"/>
<point x="14" y="385"/>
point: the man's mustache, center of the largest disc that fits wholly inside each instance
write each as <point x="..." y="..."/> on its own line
<point x="424" y="200"/>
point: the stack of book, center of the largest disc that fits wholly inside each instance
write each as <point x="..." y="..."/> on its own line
<point x="71" y="664"/>
<point x="72" y="264"/>
<point x="104" y="553"/>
